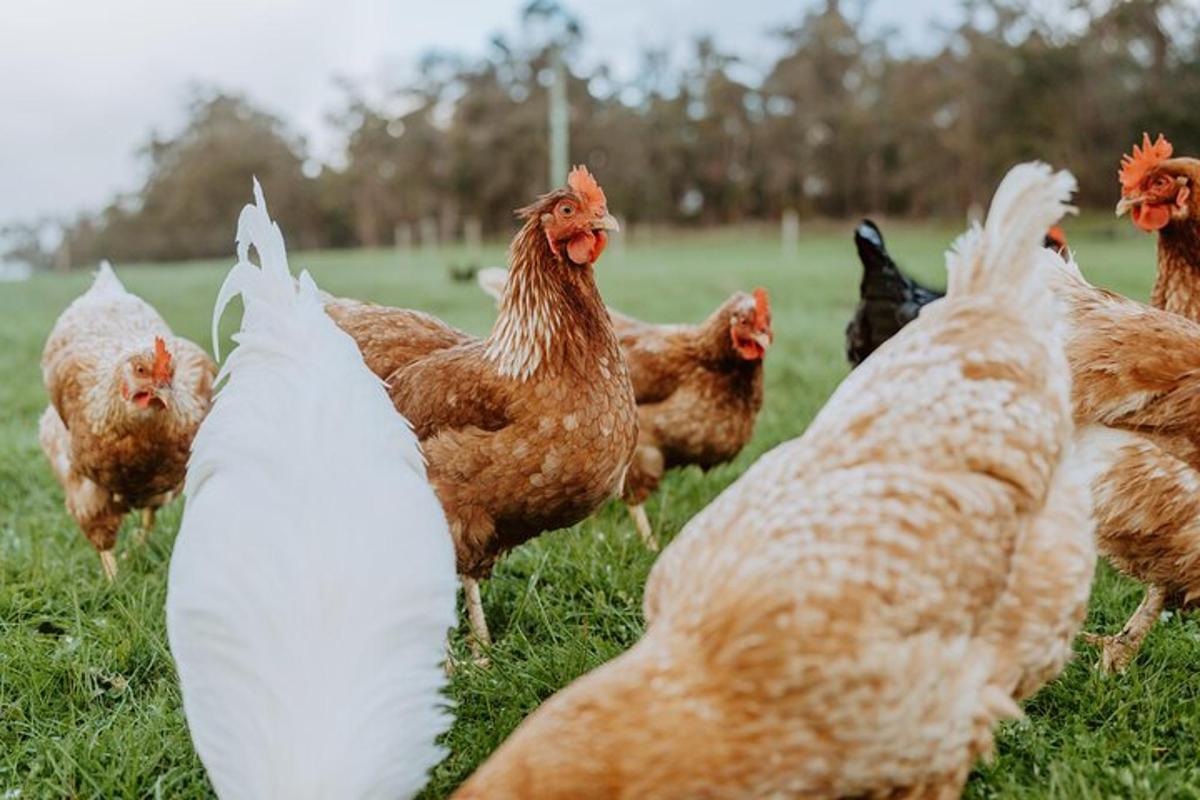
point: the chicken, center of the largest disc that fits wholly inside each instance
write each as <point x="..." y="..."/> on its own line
<point x="532" y="428"/>
<point x="126" y="397"/>
<point x="889" y="299"/>
<point x="1158" y="192"/>
<point x="1145" y="523"/>
<point x="851" y="616"/>
<point x="307" y="626"/>
<point x="699" y="388"/>
<point x="1136" y="371"/>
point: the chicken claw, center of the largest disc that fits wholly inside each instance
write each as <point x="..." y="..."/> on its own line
<point x="1117" y="652"/>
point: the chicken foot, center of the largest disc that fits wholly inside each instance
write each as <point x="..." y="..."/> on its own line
<point x="642" y="523"/>
<point x="1117" y="652"/>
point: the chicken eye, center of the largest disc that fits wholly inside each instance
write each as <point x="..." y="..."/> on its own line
<point x="566" y="210"/>
<point x="139" y="369"/>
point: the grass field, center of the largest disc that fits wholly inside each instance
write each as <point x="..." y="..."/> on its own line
<point x="89" y="705"/>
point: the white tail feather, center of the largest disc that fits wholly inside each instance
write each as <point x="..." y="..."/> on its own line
<point x="1004" y="257"/>
<point x="492" y="281"/>
<point x="313" y="580"/>
<point x="106" y="281"/>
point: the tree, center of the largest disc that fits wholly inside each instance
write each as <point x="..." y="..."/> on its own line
<point x="198" y="182"/>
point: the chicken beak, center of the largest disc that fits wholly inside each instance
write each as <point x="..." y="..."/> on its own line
<point x="762" y="338"/>
<point x="606" y="223"/>
<point x="1127" y="203"/>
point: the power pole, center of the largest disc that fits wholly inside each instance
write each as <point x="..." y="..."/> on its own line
<point x="559" y="132"/>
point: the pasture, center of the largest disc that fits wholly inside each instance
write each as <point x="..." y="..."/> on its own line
<point x="89" y="705"/>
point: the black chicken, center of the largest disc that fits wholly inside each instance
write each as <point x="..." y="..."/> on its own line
<point x="889" y="299"/>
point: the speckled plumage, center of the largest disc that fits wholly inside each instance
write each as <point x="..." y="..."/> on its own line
<point x="109" y="455"/>
<point x="852" y="615"/>
<point x="528" y="430"/>
<point x="697" y="398"/>
<point x="1137" y="372"/>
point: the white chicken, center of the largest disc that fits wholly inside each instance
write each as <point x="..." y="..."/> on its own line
<point x="307" y="622"/>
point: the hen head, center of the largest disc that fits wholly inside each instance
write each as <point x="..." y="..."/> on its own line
<point x="1156" y="189"/>
<point x="575" y="218"/>
<point x="146" y="377"/>
<point x="750" y="326"/>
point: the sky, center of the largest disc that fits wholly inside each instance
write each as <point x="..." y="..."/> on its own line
<point x="83" y="83"/>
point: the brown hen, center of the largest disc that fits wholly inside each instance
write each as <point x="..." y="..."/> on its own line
<point x="126" y="398"/>
<point x="532" y="428"/>
<point x="1145" y="524"/>
<point x="1136" y="372"/>
<point x="699" y="389"/>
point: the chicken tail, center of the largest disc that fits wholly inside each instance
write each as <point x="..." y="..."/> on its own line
<point x="106" y="281"/>
<point x="307" y="619"/>
<point x="1004" y="257"/>
<point x="492" y="281"/>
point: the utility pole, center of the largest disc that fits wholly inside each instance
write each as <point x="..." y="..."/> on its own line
<point x="559" y="145"/>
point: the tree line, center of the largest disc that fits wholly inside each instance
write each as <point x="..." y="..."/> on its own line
<point x="844" y="122"/>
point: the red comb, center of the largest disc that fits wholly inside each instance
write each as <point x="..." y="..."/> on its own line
<point x="584" y="185"/>
<point x="762" y="308"/>
<point x="161" y="370"/>
<point x="1137" y="164"/>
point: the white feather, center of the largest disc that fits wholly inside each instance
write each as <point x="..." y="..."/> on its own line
<point x="1004" y="259"/>
<point x="492" y="280"/>
<point x="313" y="580"/>
<point x="106" y="280"/>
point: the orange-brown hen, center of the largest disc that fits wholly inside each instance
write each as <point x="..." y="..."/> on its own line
<point x="699" y="389"/>
<point x="532" y="428"/>
<point x="126" y="398"/>
<point x="1126" y="358"/>
<point x="851" y="617"/>
<point x="1136" y="372"/>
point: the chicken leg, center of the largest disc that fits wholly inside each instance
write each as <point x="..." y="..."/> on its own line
<point x="147" y="525"/>
<point x="480" y="638"/>
<point x="642" y="523"/>
<point x="1117" y="652"/>
<point x="108" y="563"/>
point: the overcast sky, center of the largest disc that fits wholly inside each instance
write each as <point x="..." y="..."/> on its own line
<point x="83" y="82"/>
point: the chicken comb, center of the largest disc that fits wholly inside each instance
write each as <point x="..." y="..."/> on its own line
<point x="762" y="308"/>
<point x="1136" y="165"/>
<point x="161" y="370"/>
<point x="1056" y="235"/>
<point x="584" y="185"/>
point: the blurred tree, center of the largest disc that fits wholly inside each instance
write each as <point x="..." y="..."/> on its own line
<point x="198" y="182"/>
<point x="843" y="122"/>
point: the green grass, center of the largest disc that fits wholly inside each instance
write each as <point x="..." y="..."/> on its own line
<point x="89" y="705"/>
